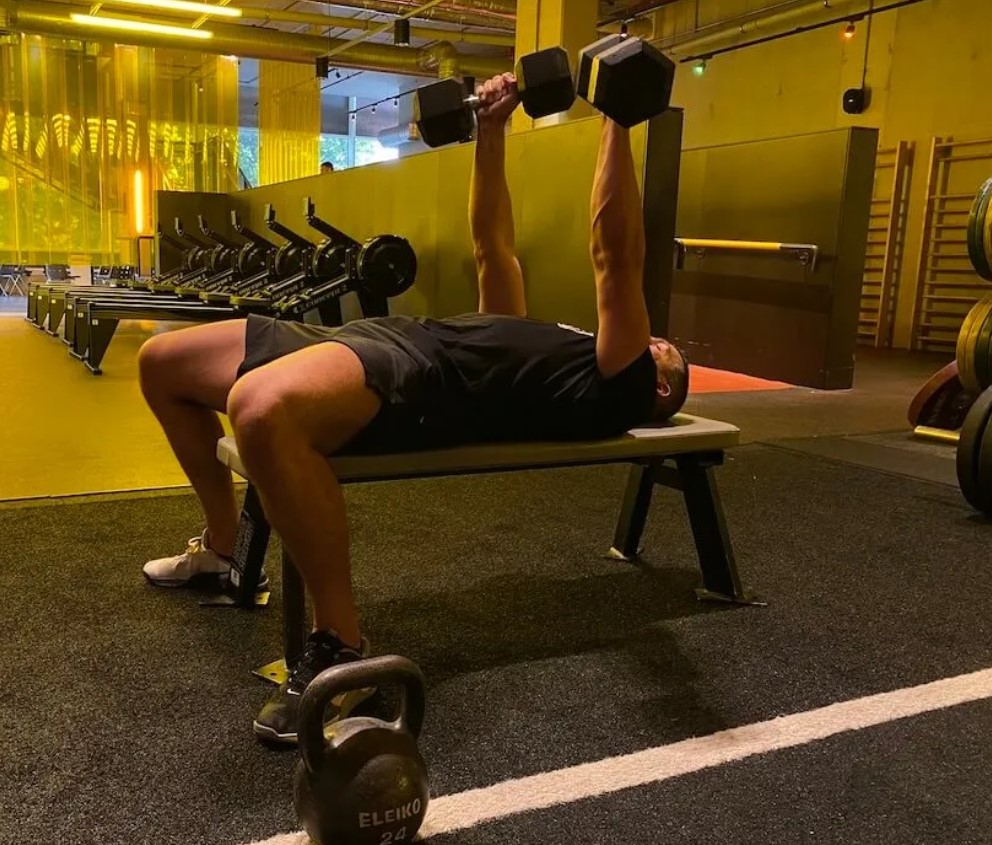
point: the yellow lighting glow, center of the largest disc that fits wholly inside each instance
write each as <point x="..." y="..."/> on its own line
<point x="139" y="202"/>
<point x="181" y="6"/>
<point x="140" y="26"/>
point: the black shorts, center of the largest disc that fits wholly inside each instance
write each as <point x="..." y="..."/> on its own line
<point x="399" y="374"/>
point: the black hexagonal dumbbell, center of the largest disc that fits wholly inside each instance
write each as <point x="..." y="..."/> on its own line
<point x="445" y="114"/>
<point x="627" y="79"/>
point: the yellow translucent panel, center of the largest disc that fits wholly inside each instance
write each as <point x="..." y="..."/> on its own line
<point x="88" y="132"/>
<point x="288" y="121"/>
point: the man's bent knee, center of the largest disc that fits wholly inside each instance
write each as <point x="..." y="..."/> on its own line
<point x="155" y="361"/>
<point x="197" y="364"/>
<point x="259" y="414"/>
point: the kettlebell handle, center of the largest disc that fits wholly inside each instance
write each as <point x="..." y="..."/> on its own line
<point x="388" y="669"/>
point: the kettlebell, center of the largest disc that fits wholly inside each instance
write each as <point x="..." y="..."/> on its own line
<point x="362" y="780"/>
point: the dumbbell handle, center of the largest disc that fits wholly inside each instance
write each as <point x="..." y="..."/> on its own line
<point x="474" y="102"/>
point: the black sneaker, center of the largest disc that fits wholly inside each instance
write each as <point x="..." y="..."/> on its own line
<point x="278" y="720"/>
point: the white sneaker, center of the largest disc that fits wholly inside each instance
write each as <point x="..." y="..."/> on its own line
<point x="198" y="562"/>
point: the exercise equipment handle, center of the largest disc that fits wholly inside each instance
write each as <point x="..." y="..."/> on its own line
<point x="332" y="233"/>
<point x="284" y="231"/>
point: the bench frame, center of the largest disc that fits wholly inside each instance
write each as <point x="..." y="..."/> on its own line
<point x="691" y="473"/>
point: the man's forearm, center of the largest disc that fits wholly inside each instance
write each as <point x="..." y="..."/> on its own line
<point x="490" y="208"/>
<point x="617" y="212"/>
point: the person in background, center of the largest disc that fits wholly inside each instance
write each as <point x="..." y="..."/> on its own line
<point x="326" y="167"/>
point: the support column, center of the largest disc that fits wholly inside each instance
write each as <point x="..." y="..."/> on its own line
<point x="552" y="23"/>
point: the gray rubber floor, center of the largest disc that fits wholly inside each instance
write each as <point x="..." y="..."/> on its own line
<point x="125" y="712"/>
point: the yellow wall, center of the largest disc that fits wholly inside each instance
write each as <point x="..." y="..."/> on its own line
<point x="929" y="67"/>
<point x="424" y="198"/>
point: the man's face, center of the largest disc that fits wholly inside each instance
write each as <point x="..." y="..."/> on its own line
<point x="666" y="358"/>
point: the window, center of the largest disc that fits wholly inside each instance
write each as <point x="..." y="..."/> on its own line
<point x="334" y="148"/>
<point x="248" y="156"/>
<point x="370" y="151"/>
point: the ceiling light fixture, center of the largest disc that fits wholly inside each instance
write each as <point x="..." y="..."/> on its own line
<point x="126" y="25"/>
<point x="181" y="6"/>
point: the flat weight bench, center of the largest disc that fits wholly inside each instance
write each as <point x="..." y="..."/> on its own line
<point x="680" y="454"/>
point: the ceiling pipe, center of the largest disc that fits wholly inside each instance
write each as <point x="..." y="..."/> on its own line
<point x="496" y="39"/>
<point x="760" y="25"/>
<point x="840" y="16"/>
<point x="256" y="42"/>
<point x="267" y="15"/>
<point x="495" y="14"/>
<point x="640" y="27"/>
<point x="636" y="11"/>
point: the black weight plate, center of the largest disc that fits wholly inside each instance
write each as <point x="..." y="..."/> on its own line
<point x="962" y="347"/>
<point x="387" y="265"/>
<point x="967" y="339"/>
<point x="984" y="496"/>
<point x="976" y="231"/>
<point x="987" y="235"/>
<point x="969" y="449"/>
<point x="983" y="268"/>
<point x="983" y="341"/>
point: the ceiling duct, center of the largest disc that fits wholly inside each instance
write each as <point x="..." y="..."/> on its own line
<point x="268" y="15"/>
<point x="256" y="42"/>
<point x="495" y="14"/>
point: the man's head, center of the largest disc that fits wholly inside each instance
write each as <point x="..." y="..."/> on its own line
<point x="673" y="379"/>
<point x="326" y="167"/>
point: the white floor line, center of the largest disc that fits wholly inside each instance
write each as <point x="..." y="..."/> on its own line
<point x="589" y="780"/>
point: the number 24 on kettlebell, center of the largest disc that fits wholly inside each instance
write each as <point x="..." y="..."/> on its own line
<point x="362" y="781"/>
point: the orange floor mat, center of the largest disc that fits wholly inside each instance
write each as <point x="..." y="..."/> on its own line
<point x="706" y="380"/>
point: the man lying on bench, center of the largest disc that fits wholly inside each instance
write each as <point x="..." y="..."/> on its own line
<point x="297" y="393"/>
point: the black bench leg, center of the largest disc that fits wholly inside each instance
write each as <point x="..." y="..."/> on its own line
<point x="295" y="625"/>
<point x="709" y="530"/>
<point x="373" y="305"/>
<point x="330" y="313"/>
<point x="633" y="513"/>
<point x="250" y="545"/>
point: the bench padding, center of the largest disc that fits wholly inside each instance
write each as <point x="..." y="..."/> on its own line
<point x="683" y="434"/>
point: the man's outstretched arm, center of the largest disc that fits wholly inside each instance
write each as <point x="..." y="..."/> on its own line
<point x="501" y="282"/>
<point x="618" y="254"/>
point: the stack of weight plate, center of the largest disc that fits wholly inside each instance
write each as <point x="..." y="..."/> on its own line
<point x="974" y="360"/>
<point x="974" y="347"/>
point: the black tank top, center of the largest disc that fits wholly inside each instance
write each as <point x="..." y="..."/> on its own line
<point x="499" y="377"/>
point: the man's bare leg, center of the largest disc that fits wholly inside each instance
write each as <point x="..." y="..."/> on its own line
<point x="288" y="416"/>
<point x="186" y="377"/>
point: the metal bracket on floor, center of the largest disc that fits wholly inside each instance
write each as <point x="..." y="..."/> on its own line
<point x="227" y="600"/>
<point x="746" y="600"/>
<point x="274" y="672"/>
<point x="615" y="554"/>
